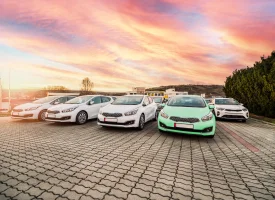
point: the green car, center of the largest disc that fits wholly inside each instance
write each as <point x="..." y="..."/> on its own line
<point x="188" y="114"/>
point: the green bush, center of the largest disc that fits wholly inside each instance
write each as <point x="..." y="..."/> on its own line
<point x="255" y="86"/>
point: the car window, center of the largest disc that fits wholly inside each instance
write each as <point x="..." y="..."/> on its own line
<point x="60" y="100"/>
<point x="146" y="101"/>
<point x="96" y="100"/>
<point x="105" y="99"/>
<point x="69" y="98"/>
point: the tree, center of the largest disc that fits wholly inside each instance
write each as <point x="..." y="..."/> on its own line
<point x="255" y="86"/>
<point x="87" y="86"/>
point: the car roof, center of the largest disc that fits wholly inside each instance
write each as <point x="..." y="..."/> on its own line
<point x="187" y="96"/>
<point x="135" y="95"/>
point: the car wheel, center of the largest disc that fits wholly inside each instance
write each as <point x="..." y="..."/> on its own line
<point x="42" y="115"/>
<point x="141" y="122"/>
<point x="81" y="118"/>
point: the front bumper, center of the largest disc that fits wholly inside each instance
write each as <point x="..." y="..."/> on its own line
<point x="25" y="114"/>
<point x="124" y="122"/>
<point x="240" y="115"/>
<point x="200" y="128"/>
<point x="60" y="117"/>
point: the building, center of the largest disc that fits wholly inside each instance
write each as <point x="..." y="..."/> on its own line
<point x="136" y="90"/>
<point x="154" y="93"/>
<point x="172" y="92"/>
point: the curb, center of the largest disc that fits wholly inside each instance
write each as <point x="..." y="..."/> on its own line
<point x="262" y="121"/>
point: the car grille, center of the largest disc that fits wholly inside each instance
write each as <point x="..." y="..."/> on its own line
<point x="233" y="110"/>
<point x="17" y="110"/>
<point x="233" y="117"/>
<point x="179" y="119"/>
<point x="53" y="111"/>
<point x="112" y="114"/>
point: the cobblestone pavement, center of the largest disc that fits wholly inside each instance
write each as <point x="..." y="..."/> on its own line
<point x="65" y="161"/>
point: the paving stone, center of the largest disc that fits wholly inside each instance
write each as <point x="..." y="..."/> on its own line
<point x="72" y="195"/>
<point x="180" y="196"/>
<point x="22" y="196"/>
<point x="58" y="190"/>
<point x="140" y="193"/>
<point x="135" y="197"/>
<point x="123" y="187"/>
<point x="48" y="196"/>
<point x="11" y="192"/>
<point x="66" y="184"/>
<point x="34" y="191"/>
<point x="118" y="193"/>
<point x="102" y="188"/>
<point x="158" y="197"/>
<point x="80" y="189"/>
<point x="95" y="194"/>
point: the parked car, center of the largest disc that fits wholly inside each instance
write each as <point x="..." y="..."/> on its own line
<point x="159" y="100"/>
<point x="229" y="108"/>
<point x="208" y="101"/>
<point x="128" y="111"/>
<point x="37" y="109"/>
<point x="187" y="114"/>
<point x="78" y="110"/>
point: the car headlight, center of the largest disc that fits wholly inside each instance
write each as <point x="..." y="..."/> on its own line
<point x="32" y="108"/>
<point x="69" y="110"/>
<point x="207" y="117"/>
<point x="245" y="110"/>
<point x="164" y="115"/>
<point x="220" y="109"/>
<point x="132" y="112"/>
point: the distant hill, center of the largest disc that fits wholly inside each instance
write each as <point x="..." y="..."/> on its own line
<point x="209" y="90"/>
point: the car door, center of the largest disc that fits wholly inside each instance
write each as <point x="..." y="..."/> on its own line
<point x="146" y="108"/>
<point x="93" y="108"/>
<point x="152" y="107"/>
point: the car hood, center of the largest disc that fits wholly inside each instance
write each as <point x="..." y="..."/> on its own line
<point x="233" y="107"/>
<point x="186" y="112"/>
<point x="27" y="105"/>
<point x="63" y="106"/>
<point x="110" y="108"/>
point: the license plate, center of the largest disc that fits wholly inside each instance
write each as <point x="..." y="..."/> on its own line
<point x="189" y="126"/>
<point x="15" y="113"/>
<point x="51" y="115"/>
<point x="110" y="119"/>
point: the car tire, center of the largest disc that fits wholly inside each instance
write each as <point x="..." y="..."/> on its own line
<point x="42" y="115"/>
<point x="81" y="118"/>
<point x="141" y="122"/>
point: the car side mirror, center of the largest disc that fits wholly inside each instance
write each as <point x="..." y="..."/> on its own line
<point x="91" y="102"/>
<point x="211" y="106"/>
<point x="241" y="104"/>
<point x="144" y="105"/>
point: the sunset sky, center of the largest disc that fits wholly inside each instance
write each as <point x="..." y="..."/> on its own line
<point x="120" y="44"/>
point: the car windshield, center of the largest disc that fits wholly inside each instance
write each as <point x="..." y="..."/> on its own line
<point x="226" y="102"/>
<point x="45" y="100"/>
<point x="128" y="100"/>
<point x="187" y="102"/>
<point x="79" y="100"/>
<point x="157" y="99"/>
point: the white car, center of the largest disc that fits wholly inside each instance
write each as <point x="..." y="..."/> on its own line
<point x="78" y="110"/>
<point x="128" y="111"/>
<point x="228" y="108"/>
<point x="37" y="109"/>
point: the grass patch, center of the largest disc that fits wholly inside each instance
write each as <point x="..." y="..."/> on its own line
<point x="266" y="119"/>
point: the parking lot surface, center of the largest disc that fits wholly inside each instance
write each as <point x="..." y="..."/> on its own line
<point x="40" y="160"/>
